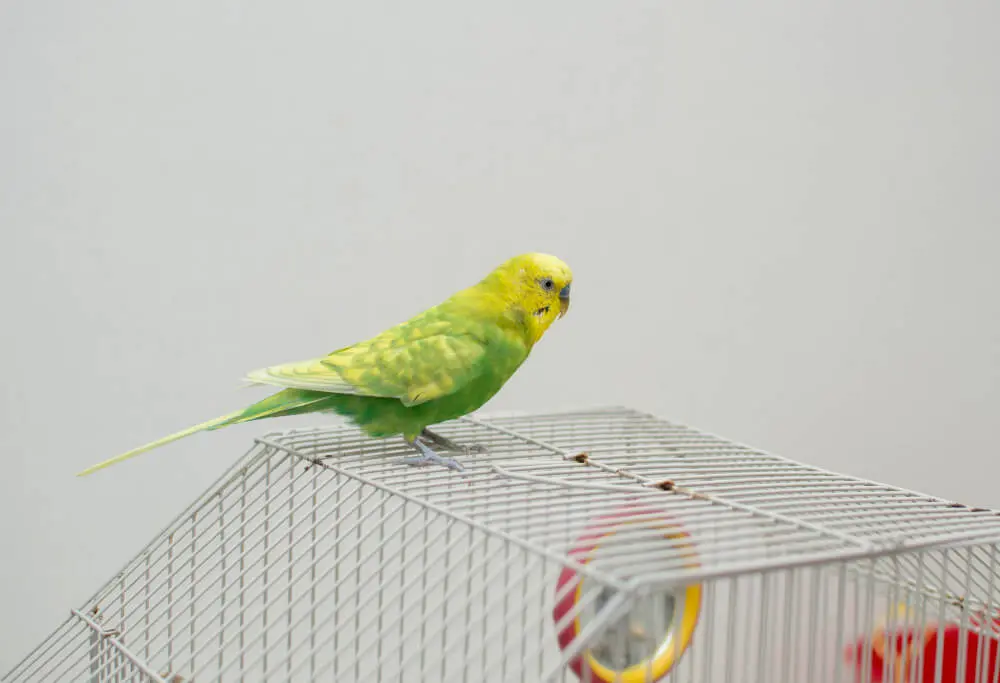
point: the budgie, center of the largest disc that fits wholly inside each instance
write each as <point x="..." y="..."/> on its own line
<point x="441" y="364"/>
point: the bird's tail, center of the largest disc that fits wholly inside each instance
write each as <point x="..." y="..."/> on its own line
<point x="286" y="402"/>
<point x="211" y="424"/>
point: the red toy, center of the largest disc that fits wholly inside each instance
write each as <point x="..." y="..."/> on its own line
<point x="902" y="650"/>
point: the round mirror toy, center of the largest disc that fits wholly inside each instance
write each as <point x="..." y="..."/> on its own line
<point x="647" y="641"/>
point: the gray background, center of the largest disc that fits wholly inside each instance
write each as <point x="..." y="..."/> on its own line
<point x="782" y="217"/>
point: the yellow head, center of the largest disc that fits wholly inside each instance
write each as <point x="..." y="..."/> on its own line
<point x="536" y="288"/>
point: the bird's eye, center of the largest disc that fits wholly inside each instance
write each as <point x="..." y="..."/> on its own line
<point x="547" y="284"/>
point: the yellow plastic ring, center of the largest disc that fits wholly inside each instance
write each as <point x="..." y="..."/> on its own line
<point x="672" y="647"/>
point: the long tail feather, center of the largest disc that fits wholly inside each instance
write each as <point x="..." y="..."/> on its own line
<point x="211" y="424"/>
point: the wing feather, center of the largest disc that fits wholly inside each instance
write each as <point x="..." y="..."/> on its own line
<point x="309" y="374"/>
<point x="414" y="372"/>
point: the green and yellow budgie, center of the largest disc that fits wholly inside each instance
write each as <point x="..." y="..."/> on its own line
<point x="439" y="365"/>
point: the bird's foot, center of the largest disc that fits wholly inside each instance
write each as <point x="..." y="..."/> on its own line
<point x="449" y="445"/>
<point x="429" y="457"/>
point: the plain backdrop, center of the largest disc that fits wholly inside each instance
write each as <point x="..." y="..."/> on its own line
<point x="782" y="218"/>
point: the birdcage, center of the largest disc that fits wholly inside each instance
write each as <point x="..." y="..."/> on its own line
<point x="596" y="545"/>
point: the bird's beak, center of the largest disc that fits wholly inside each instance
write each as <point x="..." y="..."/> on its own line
<point x="563" y="300"/>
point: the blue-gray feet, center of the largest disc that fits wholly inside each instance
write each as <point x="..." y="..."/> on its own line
<point x="448" y="444"/>
<point x="428" y="457"/>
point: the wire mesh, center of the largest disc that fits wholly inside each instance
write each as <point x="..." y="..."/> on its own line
<point x="566" y="550"/>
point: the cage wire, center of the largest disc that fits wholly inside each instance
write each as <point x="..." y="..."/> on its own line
<point x="595" y="545"/>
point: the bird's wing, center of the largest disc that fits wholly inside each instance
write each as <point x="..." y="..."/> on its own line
<point x="413" y="372"/>
<point x="316" y="375"/>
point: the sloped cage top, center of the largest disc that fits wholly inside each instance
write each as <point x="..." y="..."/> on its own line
<point x="321" y="556"/>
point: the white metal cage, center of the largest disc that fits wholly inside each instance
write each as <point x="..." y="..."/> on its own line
<point x="595" y="545"/>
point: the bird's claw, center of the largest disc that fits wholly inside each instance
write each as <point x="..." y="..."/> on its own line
<point x="429" y="457"/>
<point x="449" y="445"/>
<point x="434" y="459"/>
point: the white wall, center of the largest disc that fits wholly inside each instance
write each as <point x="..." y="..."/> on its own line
<point x="782" y="217"/>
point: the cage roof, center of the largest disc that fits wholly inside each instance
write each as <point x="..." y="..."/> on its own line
<point x="320" y="551"/>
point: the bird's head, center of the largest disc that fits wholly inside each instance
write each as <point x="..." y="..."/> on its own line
<point x="538" y="287"/>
